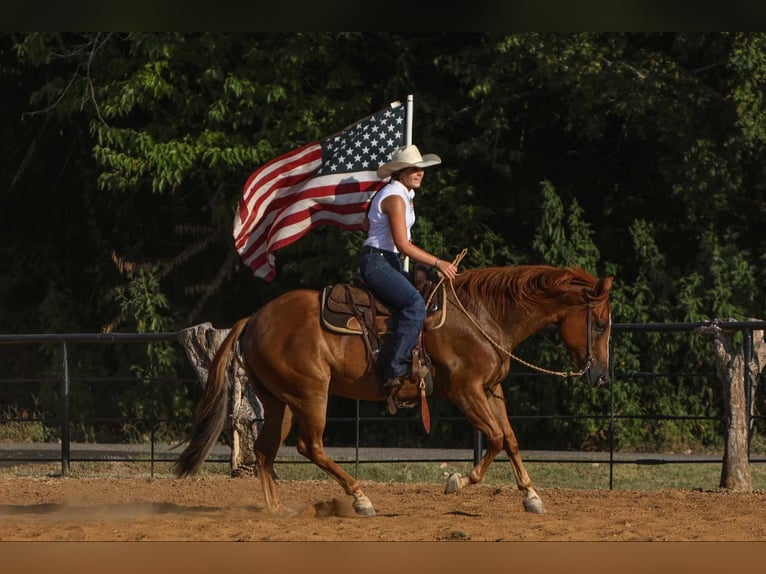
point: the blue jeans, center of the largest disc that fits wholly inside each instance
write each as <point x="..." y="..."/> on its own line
<point x="384" y="274"/>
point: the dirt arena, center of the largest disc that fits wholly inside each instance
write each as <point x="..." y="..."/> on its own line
<point x="221" y="509"/>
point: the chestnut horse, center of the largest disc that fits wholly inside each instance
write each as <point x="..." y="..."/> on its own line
<point x="295" y="364"/>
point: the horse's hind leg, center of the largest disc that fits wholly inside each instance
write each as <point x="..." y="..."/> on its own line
<point x="311" y="426"/>
<point x="276" y="425"/>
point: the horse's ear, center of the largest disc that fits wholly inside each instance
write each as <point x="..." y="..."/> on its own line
<point x="605" y="284"/>
<point x="601" y="290"/>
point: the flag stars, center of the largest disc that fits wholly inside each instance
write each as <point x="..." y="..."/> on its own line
<point x="365" y="146"/>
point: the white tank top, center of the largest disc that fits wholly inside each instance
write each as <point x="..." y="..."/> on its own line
<point x="379" y="234"/>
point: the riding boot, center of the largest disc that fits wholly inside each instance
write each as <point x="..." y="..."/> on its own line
<point x="390" y="387"/>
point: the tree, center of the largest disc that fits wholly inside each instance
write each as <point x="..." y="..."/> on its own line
<point x="138" y="145"/>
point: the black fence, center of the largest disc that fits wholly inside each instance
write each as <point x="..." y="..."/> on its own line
<point x="149" y="448"/>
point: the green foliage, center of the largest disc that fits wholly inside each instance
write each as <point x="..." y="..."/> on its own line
<point x="747" y="61"/>
<point x="564" y="241"/>
<point x="141" y="299"/>
<point x="633" y="154"/>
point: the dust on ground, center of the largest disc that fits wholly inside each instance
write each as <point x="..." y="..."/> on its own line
<point x="223" y="509"/>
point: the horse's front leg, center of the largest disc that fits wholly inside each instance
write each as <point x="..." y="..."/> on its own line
<point x="532" y="501"/>
<point x="499" y="435"/>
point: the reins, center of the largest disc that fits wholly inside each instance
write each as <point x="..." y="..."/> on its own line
<point x="588" y="359"/>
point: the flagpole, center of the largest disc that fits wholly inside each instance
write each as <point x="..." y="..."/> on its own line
<point x="408" y="141"/>
<point x="408" y="133"/>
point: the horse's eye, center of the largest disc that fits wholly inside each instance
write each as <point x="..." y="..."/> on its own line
<point x="600" y="326"/>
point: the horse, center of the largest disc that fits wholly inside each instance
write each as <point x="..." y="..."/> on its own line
<point x="295" y="364"/>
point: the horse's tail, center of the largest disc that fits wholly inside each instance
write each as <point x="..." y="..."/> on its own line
<point x="210" y="414"/>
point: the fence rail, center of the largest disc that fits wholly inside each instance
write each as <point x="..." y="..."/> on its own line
<point x="156" y="452"/>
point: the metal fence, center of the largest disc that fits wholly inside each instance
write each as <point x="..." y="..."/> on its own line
<point x="154" y="451"/>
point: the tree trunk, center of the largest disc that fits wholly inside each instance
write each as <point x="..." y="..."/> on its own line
<point x="245" y="410"/>
<point x="735" y="375"/>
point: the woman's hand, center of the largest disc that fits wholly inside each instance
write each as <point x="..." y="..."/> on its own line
<point x="448" y="269"/>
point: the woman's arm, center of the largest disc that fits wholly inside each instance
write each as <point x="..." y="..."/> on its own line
<point x="394" y="207"/>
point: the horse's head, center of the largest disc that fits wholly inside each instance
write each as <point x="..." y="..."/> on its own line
<point x="585" y="331"/>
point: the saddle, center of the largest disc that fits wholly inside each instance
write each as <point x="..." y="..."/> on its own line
<point x="351" y="308"/>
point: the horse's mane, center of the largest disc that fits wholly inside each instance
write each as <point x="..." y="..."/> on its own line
<point x="498" y="287"/>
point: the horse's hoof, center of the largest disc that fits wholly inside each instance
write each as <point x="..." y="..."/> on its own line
<point x="365" y="511"/>
<point x="534" y="505"/>
<point x="363" y="506"/>
<point x="453" y="483"/>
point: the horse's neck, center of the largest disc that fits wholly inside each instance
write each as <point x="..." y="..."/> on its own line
<point x="510" y="311"/>
<point x="515" y="324"/>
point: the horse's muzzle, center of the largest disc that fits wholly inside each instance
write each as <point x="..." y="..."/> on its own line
<point x="601" y="380"/>
<point x="596" y="377"/>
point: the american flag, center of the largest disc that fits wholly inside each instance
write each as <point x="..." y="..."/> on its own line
<point x="326" y="182"/>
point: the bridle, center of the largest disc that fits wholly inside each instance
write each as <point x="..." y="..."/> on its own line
<point x="589" y="360"/>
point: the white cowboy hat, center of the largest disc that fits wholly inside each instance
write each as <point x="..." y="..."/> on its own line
<point x="407" y="156"/>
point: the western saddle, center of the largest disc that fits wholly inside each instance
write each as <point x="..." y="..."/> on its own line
<point x="351" y="308"/>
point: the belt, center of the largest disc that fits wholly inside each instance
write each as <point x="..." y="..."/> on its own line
<point x="371" y="249"/>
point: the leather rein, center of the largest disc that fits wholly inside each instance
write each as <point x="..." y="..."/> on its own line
<point x="589" y="348"/>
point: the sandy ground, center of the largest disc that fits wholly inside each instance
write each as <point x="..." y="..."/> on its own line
<point x="222" y="509"/>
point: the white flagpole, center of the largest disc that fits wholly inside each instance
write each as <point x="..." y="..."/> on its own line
<point x="408" y="141"/>
<point x="408" y="134"/>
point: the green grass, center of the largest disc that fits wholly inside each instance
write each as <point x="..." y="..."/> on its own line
<point x="585" y="475"/>
<point x="581" y="475"/>
<point x="19" y="425"/>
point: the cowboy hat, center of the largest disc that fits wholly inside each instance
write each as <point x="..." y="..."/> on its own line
<point x="407" y="156"/>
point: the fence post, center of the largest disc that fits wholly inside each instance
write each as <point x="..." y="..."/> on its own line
<point x="201" y="343"/>
<point x="734" y="366"/>
<point x="64" y="403"/>
<point x="477" y="446"/>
